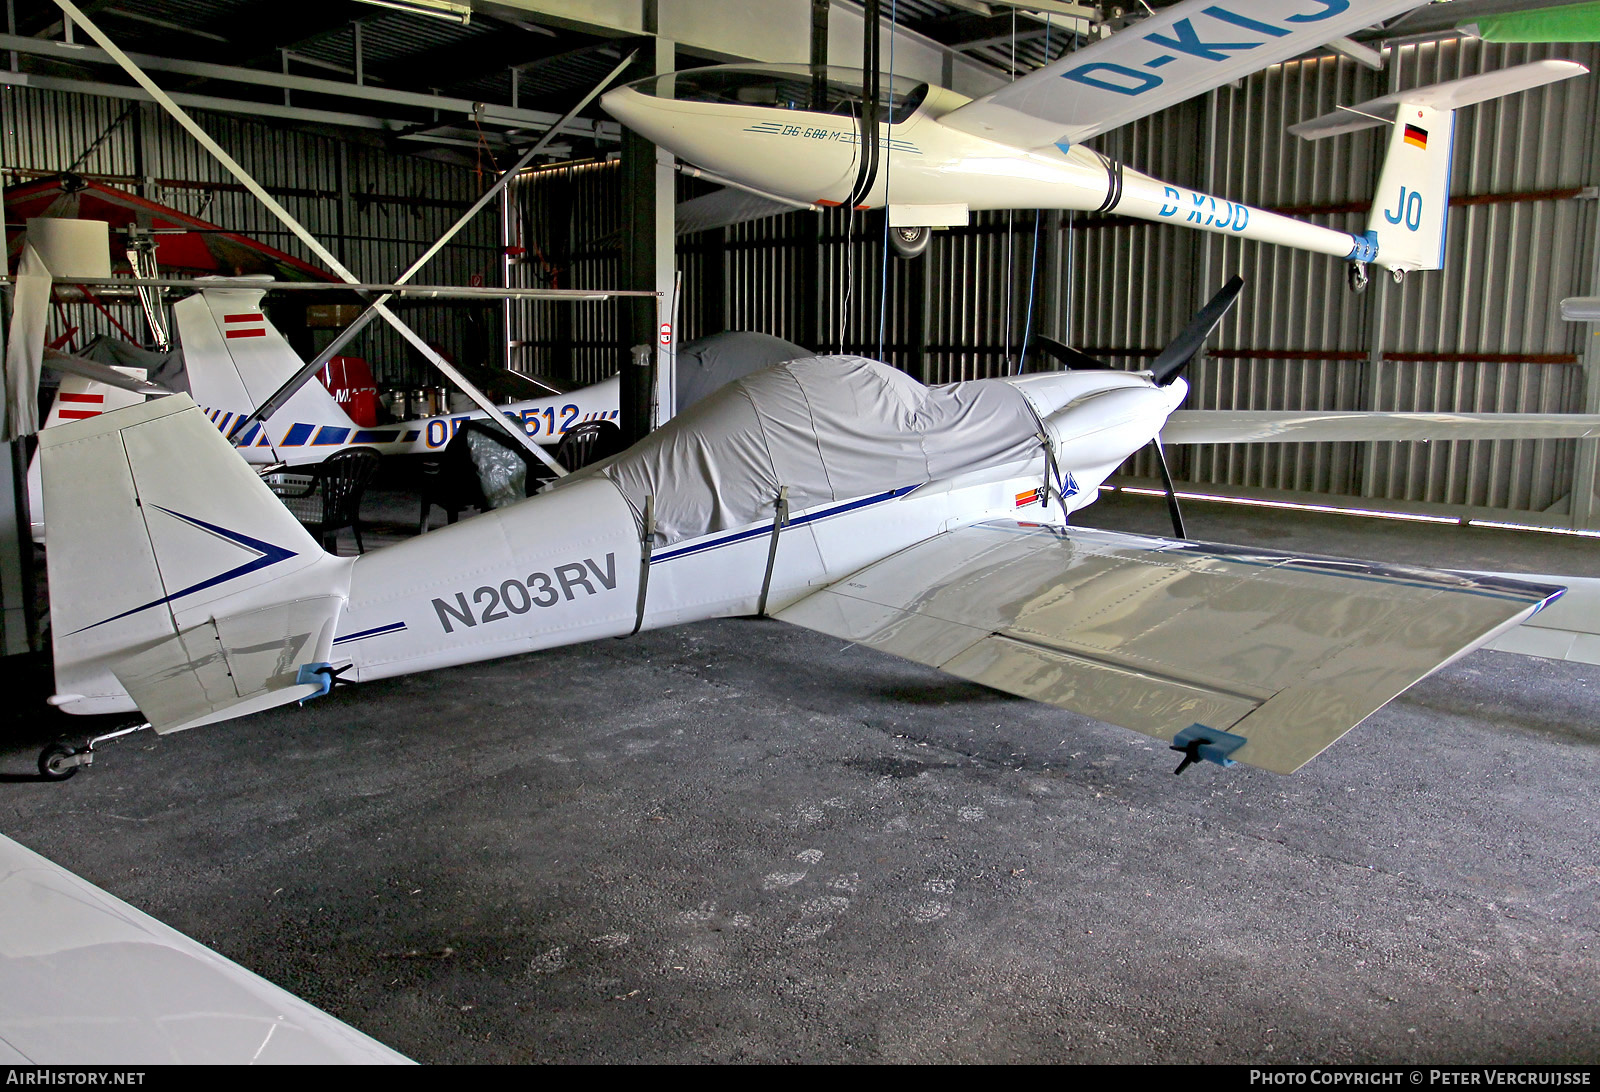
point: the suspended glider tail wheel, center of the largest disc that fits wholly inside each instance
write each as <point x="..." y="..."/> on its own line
<point x="910" y="242"/>
<point x="1358" y="277"/>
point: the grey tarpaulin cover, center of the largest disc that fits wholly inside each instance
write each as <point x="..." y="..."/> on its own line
<point x="711" y="362"/>
<point x="830" y="428"/>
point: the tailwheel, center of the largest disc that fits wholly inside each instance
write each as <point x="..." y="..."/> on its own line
<point x="58" y="762"/>
<point x="1358" y="277"/>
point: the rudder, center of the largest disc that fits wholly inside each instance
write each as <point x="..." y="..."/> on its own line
<point x="179" y="584"/>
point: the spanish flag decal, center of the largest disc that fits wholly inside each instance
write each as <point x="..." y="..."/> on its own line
<point x="1416" y="136"/>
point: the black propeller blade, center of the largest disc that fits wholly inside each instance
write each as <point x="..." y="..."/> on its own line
<point x="1176" y="356"/>
<point x="1172" y="494"/>
<point x="1170" y="364"/>
<point x="1065" y="355"/>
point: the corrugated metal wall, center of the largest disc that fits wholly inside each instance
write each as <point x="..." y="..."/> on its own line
<point x="374" y="210"/>
<point x="1481" y="335"/>
<point x="568" y="223"/>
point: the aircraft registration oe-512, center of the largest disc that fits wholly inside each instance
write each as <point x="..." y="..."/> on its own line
<point x="931" y="155"/>
<point x="835" y="493"/>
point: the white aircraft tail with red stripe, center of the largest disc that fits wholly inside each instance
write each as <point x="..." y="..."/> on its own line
<point x="237" y="359"/>
<point x="77" y="399"/>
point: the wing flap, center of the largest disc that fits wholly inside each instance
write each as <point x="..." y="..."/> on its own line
<point x="1156" y="635"/>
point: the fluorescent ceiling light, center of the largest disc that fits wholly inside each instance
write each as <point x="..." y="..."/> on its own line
<point x="439" y="9"/>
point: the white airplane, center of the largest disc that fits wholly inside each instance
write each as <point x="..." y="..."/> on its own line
<point x="933" y="155"/>
<point x="86" y="979"/>
<point x="236" y="358"/>
<point x="834" y="493"/>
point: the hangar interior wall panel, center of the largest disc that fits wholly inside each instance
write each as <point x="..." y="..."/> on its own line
<point x="375" y="210"/>
<point x="1481" y="335"/>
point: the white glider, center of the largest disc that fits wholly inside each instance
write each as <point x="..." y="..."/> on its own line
<point x="932" y="155"/>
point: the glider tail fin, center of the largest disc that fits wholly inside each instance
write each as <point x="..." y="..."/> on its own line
<point x="1412" y="205"/>
<point x="1410" y="210"/>
<point x="213" y="596"/>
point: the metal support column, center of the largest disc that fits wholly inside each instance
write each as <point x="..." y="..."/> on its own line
<point x="649" y="254"/>
<point x="507" y="211"/>
<point x="1586" y="472"/>
<point x="16" y="544"/>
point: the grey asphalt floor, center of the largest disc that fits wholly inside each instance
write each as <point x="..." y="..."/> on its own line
<point x="741" y="841"/>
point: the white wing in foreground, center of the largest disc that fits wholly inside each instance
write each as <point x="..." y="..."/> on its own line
<point x="1288" y="652"/>
<point x="1184" y="51"/>
<point x="85" y="979"/>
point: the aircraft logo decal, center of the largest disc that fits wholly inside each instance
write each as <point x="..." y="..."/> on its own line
<point x="249" y="325"/>
<point x="266" y="553"/>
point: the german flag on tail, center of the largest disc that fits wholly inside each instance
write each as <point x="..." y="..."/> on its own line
<point x="1417" y="137"/>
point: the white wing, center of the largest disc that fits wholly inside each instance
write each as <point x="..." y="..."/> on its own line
<point x="1185" y="50"/>
<point x="1297" y="426"/>
<point x="85" y="979"/>
<point x="1288" y="652"/>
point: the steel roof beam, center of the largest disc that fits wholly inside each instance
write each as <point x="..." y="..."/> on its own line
<point x="500" y="114"/>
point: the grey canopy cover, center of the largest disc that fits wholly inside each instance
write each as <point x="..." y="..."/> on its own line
<point x="711" y="362"/>
<point x="829" y="428"/>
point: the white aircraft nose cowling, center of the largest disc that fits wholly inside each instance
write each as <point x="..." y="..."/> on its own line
<point x="1108" y="426"/>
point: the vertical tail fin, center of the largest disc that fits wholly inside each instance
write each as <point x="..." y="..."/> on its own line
<point x="1410" y="209"/>
<point x="77" y="399"/>
<point x="178" y="583"/>
<point x="1412" y="204"/>
<point x="236" y="358"/>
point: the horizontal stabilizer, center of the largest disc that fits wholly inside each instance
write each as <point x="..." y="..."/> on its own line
<point x="1440" y="96"/>
<point x="1295" y="426"/>
<point x="1581" y="309"/>
<point x="227" y="667"/>
<point x="1287" y="651"/>
<point x="97" y="372"/>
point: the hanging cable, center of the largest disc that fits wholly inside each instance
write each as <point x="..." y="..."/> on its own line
<point x="1033" y="266"/>
<point x="883" y="287"/>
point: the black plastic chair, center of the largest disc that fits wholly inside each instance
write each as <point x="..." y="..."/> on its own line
<point x="588" y="443"/>
<point x="328" y="498"/>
